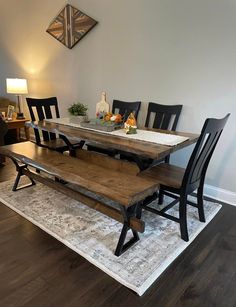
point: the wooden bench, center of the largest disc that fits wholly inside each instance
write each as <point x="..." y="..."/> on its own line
<point x="112" y="179"/>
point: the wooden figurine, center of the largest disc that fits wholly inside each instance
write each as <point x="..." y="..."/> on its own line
<point x="102" y="106"/>
<point x="131" y="124"/>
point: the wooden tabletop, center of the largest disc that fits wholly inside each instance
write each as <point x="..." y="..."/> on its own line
<point x="142" y="148"/>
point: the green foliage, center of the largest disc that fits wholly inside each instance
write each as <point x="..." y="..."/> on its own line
<point x="78" y="109"/>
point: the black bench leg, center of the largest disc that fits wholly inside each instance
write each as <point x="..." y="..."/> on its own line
<point x="17" y="180"/>
<point x="121" y="241"/>
<point x="122" y="246"/>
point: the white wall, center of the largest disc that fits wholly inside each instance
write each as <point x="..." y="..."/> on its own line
<point x="162" y="51"/>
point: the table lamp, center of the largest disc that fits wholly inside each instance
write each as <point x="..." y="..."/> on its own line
<point x="17" y="87"/>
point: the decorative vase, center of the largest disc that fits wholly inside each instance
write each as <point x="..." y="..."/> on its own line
<point x="79" y="119"/>
<point x="102" y="106"/>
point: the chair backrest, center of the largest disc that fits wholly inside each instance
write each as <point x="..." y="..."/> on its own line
<point x="43" y="109"/>
<point x="202" y="153"/>
<point x="3" y="130"/>
<point x="125" y="108"/>
<point x="166" y="116"/>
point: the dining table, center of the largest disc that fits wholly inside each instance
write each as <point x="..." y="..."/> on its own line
<point x="147" y="143"/>
<point x="111" y="186"/>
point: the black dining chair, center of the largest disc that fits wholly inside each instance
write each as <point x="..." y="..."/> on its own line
<point x="118" y="107"/>
<point x="3" y="131"/>
<point x="43" y="109"/>
<point x="159" y="116"/>
<point x="178" y="183"/>
<point x="165" y="116"/>
<point x="125" y="108"/>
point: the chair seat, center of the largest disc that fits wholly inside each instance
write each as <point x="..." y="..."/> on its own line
<point x="165" y="174"/>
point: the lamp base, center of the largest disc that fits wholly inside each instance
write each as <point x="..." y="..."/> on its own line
<point x="20" y="116"/>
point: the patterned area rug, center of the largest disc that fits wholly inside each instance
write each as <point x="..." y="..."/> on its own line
<point x="94" y="236"/>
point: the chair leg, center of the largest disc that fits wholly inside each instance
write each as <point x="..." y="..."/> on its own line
<point x="200" y="203"/>
<point x="183" y="217"/>
<point x="167" y="159"/>
<point x="139" y="211"/>
<point x="160" y="197"/>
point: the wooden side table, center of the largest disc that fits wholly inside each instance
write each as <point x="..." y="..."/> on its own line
<point x="18" y="124"/>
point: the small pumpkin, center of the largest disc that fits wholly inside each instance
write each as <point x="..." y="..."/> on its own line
<point x="118" y="118"/>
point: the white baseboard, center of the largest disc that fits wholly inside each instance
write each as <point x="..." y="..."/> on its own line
<point x="220" y="194"/>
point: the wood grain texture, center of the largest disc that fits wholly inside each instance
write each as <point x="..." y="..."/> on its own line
<point x="165" y="174"/>
<point x="124" y="188"/>
<point x="145" y="149"/>
<point x="70" y="26"/>
<point x="110" y="163"/>
<point x="37" y="270"/>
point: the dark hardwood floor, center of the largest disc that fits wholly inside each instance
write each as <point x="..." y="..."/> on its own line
<point x="37" y="270"/>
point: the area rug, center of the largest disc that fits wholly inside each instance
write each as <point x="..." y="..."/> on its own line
<point x="94" y="236"/>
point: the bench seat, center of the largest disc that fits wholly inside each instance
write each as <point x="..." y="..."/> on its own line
<point x="115" y="185"/>
<point x="103" y="176"/>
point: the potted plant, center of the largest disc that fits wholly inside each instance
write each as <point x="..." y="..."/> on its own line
<point x="79" y="112"/>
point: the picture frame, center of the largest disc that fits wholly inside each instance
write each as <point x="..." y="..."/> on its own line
<point x="10" y="111"/>
<point x="3" y="115"/>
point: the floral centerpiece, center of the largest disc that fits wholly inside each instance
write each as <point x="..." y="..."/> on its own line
<point x="105" y="121"/>
<point x="109" y="118"/>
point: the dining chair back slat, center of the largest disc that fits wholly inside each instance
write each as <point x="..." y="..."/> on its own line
<point x="125" y="108"/>
<point x="203" y="151"/>
<point x="43" y="109"/>
<point x="166" y="116"/>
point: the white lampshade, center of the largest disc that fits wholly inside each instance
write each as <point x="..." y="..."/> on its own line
<point x="17" y="86"/>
